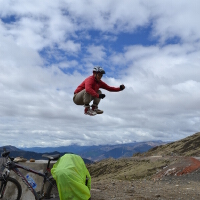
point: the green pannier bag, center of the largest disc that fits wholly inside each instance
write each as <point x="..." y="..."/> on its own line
<point x="72" y="178"/>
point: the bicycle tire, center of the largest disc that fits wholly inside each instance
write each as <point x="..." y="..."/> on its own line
<point x="52" y="190"/>
<point x="13" y="189"/>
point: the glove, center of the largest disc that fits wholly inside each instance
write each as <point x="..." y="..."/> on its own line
<point x="101" y="96"/>
<point x="122" y="87"/>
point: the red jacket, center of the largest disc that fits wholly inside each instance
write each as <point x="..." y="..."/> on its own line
<point x="92" y="86"/>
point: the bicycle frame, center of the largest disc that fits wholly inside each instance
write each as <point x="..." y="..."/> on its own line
<point x="11" y="166"/>
<point x="16" y="170"/>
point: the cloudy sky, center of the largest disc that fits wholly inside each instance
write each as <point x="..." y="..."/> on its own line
<point x="47" y="48"/>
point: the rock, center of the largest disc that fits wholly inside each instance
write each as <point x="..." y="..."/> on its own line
<point x="20" y="159"/>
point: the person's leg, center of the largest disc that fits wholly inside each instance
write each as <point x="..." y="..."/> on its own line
<point x="95" y="104"/>
<point x="83" y="98"/>
<point x="97" y="100"/>
<point x="78" y="98"/>
<point x="87" y="98"/>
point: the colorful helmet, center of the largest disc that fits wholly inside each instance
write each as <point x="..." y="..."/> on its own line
<point x="99" y="70"/>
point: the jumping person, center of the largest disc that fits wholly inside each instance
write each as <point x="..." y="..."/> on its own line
<point x="88" y="90"/>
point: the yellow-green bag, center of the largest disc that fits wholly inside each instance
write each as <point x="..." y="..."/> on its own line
<point x="70" y="174"/>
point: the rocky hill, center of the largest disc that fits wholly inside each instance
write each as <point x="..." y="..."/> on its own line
<point x="165" y="172"/>
<point x="146" y="164"/>
<point x="189" y="146"/>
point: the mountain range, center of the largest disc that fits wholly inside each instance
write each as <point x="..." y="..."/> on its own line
<point x="88" y="153"/>
<point x="16" y="152"/>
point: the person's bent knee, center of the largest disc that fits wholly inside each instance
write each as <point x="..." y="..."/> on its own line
<point x="74" y="99"/>
<point x="77" y="101"/>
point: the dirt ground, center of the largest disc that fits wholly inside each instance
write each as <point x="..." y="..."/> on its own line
<point x="178" y="180"/>
<point x="169" y="188"/>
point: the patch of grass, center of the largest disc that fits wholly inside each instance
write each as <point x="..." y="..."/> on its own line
<point x="126" y="169"/>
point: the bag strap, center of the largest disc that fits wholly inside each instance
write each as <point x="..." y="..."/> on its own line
<point x="86" y="180"/>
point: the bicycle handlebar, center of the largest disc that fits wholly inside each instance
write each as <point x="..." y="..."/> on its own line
<point x="5" y="154"/>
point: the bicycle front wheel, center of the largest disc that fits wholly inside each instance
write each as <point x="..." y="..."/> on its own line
<point x="12" y="191"/>
<point x="52" y="190"/>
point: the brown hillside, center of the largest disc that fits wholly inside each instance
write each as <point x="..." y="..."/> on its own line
<point x="189" y="146"/>
<point x="165" y="172"/>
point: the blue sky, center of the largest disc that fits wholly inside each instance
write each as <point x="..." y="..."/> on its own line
<point x="110" y="42"/>
<point x="47" y="48"/>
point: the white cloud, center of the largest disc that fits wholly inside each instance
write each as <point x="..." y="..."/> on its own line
<point x="161" y="99"/>
<point x="96" y="53"/>
<point x="177" y="18"/>
<point x="70" y="46"/>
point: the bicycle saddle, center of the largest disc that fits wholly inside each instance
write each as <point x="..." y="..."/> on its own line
<point x="51" y="157"/>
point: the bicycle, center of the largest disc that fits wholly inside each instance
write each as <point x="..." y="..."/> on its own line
<point x="10" y="188"/>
